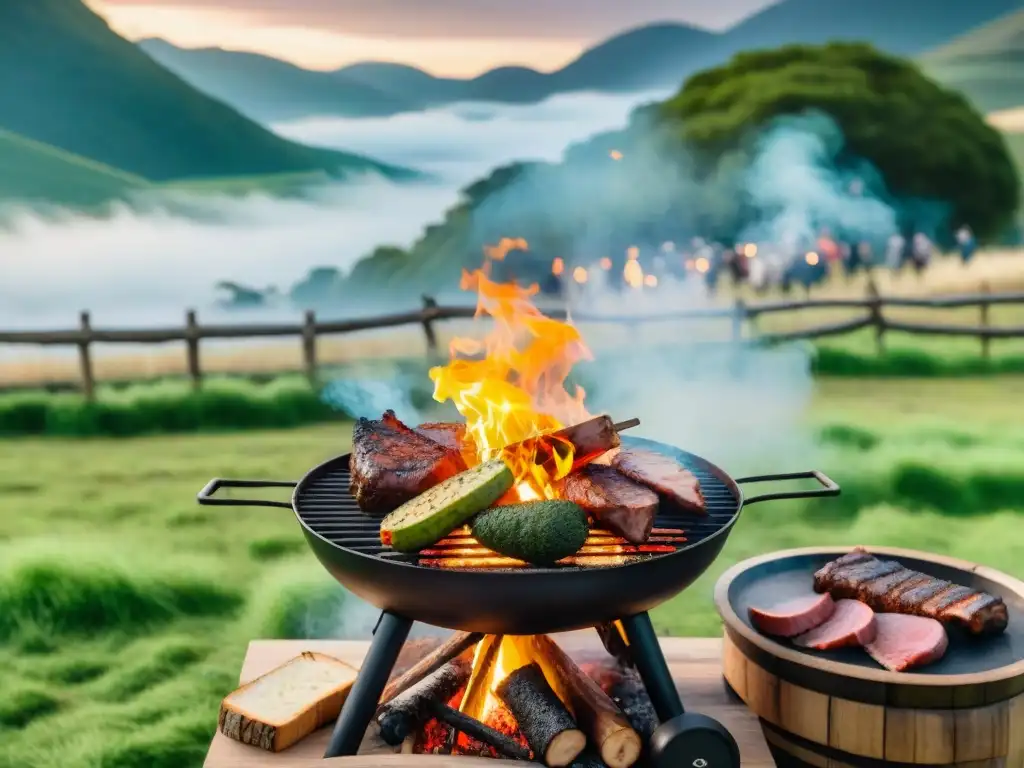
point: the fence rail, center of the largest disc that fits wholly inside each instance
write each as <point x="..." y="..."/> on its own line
<point x="741" y="315"/>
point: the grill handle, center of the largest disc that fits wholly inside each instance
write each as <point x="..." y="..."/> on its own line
<point x="207" y="496"/>
<point x="828" y="486"/>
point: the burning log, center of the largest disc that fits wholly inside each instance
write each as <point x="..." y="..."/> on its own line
<point x="545" y="722"/>
<point x="410" y="709"/>
<point x="614" y="642"/>
<point x="454" y="646"/>
<point x="609" y="730"/>
<point x="473" y="728"/>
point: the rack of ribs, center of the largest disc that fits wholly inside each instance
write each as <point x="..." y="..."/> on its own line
<point x="888" y="587"/>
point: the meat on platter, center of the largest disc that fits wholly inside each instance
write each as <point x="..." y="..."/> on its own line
<point x="520" y="698"/>
<point x="606" y="496"/>
<point x="898" y="615"/>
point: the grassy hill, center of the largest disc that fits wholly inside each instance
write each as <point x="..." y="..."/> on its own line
<point x="987" y="63"/>
<point x="653" y="56"/>
<point x="74" y="84"/>
<point x="33" y="171"/>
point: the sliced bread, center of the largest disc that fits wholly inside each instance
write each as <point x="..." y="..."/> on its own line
<point x="288" y="703"/>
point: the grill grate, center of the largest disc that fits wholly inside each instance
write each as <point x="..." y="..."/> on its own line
<point x="326" y="507"/>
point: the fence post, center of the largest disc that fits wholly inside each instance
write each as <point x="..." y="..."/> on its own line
<point x="983" y="308"/>
<point x="85" y="361"/>
<point x="192" y="347"/>
<point x="309" y="346"/>
<point x="738" y="316"/>
<point x="876" y="316"/>
<point x="429" y="304"/>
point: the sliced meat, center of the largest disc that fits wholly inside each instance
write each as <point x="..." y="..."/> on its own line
<point x="664" y="475"/>
<point x="391" y="464"/>
<point x="448" y="434"/>
<point x="614" y="501"/>
<point x="852" y="623"/>
<point x="889" y="588"/>
<point x="794" y="617"/>
<point x="903" y="642"/>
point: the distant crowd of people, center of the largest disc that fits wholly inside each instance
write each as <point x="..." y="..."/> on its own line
<point x="761" y="265"/>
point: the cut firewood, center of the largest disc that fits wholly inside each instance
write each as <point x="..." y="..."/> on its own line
<point x="589" y="440"/>
<point x="454" y="646"/>
<point x="544" y="720"/>
<point x="615" y="642"/>
<point x="288" y="703"/>
<point x="476" y="689"/>
<point x="624" y="686"/>
<point x="609" y="730"/>
<point x="473" y="728"/>
<point x="411" y="708"/>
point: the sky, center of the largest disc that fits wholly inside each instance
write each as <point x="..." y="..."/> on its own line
<point x="459" y="38"/>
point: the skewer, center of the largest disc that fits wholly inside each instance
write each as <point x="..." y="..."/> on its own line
<point x="627" y="424"/>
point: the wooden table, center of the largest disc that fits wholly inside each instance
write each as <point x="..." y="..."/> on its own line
<point x="695" y="663"/>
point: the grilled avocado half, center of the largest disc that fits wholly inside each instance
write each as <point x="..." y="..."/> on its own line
<point x="538" y="532"/>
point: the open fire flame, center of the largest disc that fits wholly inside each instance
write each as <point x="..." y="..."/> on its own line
<point x="511" y="386"/>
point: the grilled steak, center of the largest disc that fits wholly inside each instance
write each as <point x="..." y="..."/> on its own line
<point x="902" y="642"/>
<point x="392" y="464"/>
<point x="616" y="503"/>
<point x="901" y="590"/>
<point x="794" y="617"/>
<point x="664" y="475"/>
<point x="448" y="434"/>
<point x="852" y="623"/>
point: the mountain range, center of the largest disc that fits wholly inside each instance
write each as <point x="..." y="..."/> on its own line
<point x="650" y="57"/>
<point x="82" y="106"/>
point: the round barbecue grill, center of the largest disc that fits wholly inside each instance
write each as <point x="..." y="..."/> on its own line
<point x="459" y="585"/>
<point x="482" y="596"/>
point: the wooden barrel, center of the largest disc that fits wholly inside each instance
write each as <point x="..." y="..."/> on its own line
<point x="840" y="710"/>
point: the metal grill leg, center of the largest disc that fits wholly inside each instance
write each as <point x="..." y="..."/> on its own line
<point x="361" y="704"/>
<point x="650" y="663"/>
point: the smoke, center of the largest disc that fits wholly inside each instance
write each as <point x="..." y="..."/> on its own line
<point x="797" y="187"/>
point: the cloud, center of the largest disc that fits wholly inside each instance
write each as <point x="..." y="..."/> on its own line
<point x="564" y="19"/>
<point x="146" y="268"/>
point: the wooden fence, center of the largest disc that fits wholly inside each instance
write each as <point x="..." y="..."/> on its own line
<point x="742" y="316"/>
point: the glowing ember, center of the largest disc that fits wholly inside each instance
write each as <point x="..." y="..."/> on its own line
<point x="517" y="391"/>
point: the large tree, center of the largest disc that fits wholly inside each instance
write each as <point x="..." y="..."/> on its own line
<point x="926" y="142"/>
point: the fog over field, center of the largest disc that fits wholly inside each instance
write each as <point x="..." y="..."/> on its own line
<point x="144" y="268"/>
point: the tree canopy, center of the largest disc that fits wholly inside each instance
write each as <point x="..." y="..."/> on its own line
<point x="926" y="142"/>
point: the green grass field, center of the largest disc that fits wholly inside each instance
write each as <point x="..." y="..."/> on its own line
<point x="125" y="608"/>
